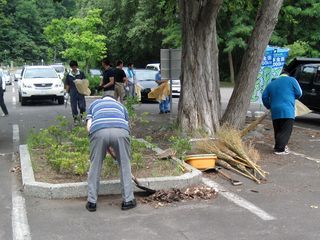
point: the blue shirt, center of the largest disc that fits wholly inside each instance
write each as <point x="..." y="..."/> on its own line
<point x="107" y="113"/>
<point x="158" y="76"/>
<point x="280" y="95"/>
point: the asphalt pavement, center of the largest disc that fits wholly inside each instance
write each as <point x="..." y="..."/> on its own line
<point x="291" y="197"/>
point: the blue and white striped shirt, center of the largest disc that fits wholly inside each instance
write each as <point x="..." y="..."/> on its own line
<point x="107" y="113"/>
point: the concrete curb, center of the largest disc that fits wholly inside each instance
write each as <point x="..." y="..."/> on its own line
<point x="34" y="188"/>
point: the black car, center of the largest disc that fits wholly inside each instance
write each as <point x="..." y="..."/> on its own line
<point x="307" y="72"/>
<point x="146" y="81"/>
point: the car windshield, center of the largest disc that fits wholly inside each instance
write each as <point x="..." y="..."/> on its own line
<point x="143" y="75"/>
<point x="40" y="73"/>
<point x="59" y="69"/>
<point x="95" y="72"/>
<point x="18" y="71"/>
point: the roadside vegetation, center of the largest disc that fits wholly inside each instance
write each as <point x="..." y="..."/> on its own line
<point x="63" y="150"/>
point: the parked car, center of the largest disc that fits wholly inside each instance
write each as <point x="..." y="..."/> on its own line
<point x="307" y="72"/>
<point x="6" y="77"/>
<point x="95" y="72"/>
<point x="146" y="81"/>
<point x="40" y="82"/>
<point x="17" y="74"/>
<point x="176" y="88"/>
<point x="60" y="69"/>
<point x="153" y="66"/>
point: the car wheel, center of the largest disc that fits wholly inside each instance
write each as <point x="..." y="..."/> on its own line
<point x="60" y="100"/>
<point x="23" y="101"/>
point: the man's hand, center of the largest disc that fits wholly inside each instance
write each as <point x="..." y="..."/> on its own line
<point x="89" y="122"/>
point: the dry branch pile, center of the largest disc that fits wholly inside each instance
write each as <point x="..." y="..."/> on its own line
<point x="163" y="197"/>
<point x="233" y="154"/>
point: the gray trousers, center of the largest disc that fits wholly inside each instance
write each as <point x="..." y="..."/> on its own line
<point x="119" y="140"/>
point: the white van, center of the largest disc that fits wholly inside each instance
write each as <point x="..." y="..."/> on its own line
<point x="40" y="82"/>
<point x="153" y="66"/>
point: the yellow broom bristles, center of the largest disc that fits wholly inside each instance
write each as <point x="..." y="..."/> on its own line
<point x="234" y="153"/>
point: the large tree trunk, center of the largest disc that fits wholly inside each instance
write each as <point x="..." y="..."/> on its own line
<point x="240" y="100"/>
<point x="199" y="105"/>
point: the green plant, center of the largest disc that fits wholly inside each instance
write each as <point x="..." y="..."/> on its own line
<point x="94" y="82"/>
<point x="180" y="145"/>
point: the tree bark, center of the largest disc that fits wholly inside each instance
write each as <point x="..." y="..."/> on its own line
<point x="199" y="105"/>
<point x="239" y="103"/>
<point x="231" y="67"/>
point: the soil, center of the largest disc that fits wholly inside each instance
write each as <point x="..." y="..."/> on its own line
<point x="159" y="131"/>
<point x="153" y="167"/>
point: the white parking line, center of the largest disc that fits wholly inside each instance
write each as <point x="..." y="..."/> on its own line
<point x="317" y="160"/>
<point x="15" y="133"/>
<point x="13" y="89"/>
<point x="304" y="128"/>
<point x="14" y="100"/>
<point x="20" y="226"/>
<point x="241" y="202"/>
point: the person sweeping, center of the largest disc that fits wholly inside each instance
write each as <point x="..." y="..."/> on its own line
<point x="108" y="127"/>
<point x="279" y="96"/>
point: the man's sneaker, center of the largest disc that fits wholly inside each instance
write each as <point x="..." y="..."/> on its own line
<point x="4" y="115"/>
<point x="286" y="148"/>
<point x="91" y="207"/>
<point x="282" y="153"/>
<point x="128" y="205"/>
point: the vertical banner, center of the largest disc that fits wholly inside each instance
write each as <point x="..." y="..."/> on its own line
<point x="271" y="67"/>
<point x="279" y="59"/>
<point x="264" y="75"/>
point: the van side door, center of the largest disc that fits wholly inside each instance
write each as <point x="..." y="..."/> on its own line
<point x="316" y="89"/>
<point x="305" y="78"/>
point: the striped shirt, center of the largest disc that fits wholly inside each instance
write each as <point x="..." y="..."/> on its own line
<point x="107" y="113"/>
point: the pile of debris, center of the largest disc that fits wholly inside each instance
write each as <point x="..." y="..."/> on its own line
<point x="233" y="154"/>
<point x="164" y="197"/>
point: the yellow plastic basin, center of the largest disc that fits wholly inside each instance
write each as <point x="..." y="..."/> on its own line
<point x="202" y="161"/>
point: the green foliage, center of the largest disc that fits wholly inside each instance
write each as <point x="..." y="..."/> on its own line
<point x="298" y="49"/>
<point x="180" y="145"/>
<point x="67" y="150"/>
<point x="94" y="82"/>
<point x="79" y="37"/>
<point x="21" y="28"/>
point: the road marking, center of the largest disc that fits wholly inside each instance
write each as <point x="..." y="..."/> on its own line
<point x="14" y="100"/>
<point x="20" y="226"/>
<point x="15" y="133"/>
<point x="241" y="202"/>
<point x="305" y="128"/>
<point x="13" y="89"/>
<point x="295" y="153"/>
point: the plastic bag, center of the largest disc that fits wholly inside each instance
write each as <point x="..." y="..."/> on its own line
<point x="301" y="109"/>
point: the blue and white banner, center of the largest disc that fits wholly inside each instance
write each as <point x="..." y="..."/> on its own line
<point x="271" y="67"/>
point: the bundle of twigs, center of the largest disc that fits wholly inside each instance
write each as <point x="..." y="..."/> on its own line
<point x="233" y="154"/>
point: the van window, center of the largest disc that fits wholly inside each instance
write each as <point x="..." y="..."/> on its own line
<point x="307" y="75"/>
